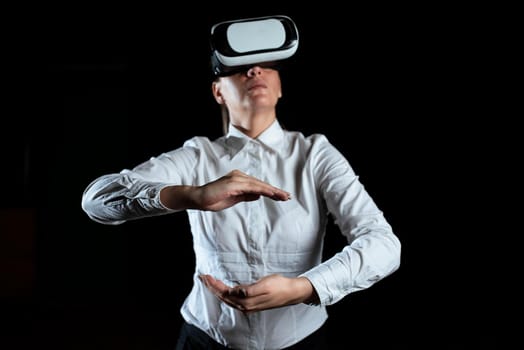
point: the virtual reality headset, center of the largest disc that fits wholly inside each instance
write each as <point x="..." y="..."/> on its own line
<point x="240" y="44"/>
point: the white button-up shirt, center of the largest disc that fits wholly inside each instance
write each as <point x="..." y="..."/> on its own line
<point x="253" y="239"/>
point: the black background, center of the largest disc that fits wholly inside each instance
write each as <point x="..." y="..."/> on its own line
<point x="97" y="89"/>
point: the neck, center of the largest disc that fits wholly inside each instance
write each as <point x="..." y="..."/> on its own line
<point x="254" y="124"/>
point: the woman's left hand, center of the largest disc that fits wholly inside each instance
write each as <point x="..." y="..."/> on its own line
<point x="267" y="293"/>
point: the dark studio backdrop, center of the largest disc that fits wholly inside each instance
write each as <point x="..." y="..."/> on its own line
<point x="104" y="91"/>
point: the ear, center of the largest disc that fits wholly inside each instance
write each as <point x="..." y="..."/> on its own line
<point x="215" y="88"/>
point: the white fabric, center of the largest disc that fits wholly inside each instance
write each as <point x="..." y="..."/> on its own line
<point x="253" y="239"/>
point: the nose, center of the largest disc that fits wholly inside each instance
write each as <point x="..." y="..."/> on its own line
<point x="254" y="71"/>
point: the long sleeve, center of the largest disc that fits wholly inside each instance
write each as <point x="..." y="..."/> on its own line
<point x="117" y="198"/>
<point x="131" y="194"/>
<point x="373" y="250"/>
<point x="243" y="243"/>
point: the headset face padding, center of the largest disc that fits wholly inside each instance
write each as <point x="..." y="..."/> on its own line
<point x="238" y="44"/>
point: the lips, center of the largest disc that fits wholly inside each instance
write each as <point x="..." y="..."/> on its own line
<point x="256" y="86"/>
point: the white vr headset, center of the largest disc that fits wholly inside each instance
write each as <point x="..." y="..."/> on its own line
<point x="239" y="44"/>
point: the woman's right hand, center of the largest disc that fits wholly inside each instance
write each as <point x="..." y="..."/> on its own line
<point x="226" y="191"/>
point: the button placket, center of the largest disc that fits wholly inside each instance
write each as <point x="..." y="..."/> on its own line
<point x="254" y="219"/>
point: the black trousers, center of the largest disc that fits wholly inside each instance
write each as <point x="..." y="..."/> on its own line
<point x="192" y="338"/>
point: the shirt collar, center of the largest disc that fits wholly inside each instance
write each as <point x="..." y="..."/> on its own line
<point x="271" y="138"/>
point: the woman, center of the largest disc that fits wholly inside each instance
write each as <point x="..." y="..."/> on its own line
<point x="258" y="201"/>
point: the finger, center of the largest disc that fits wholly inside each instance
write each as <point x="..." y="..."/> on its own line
<point x="233" y="304"/>
<point x="238" y="292"/>
<point x="248" y="197"/>
<point x="249" y="303"/>
<point x="216" y="286"/>
<point x="249" y="290"/>
<point x="256" y="187"/>
<point x="271" y="191"/>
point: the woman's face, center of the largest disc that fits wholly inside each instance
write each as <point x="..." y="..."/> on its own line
<point x="255" y="90"/>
